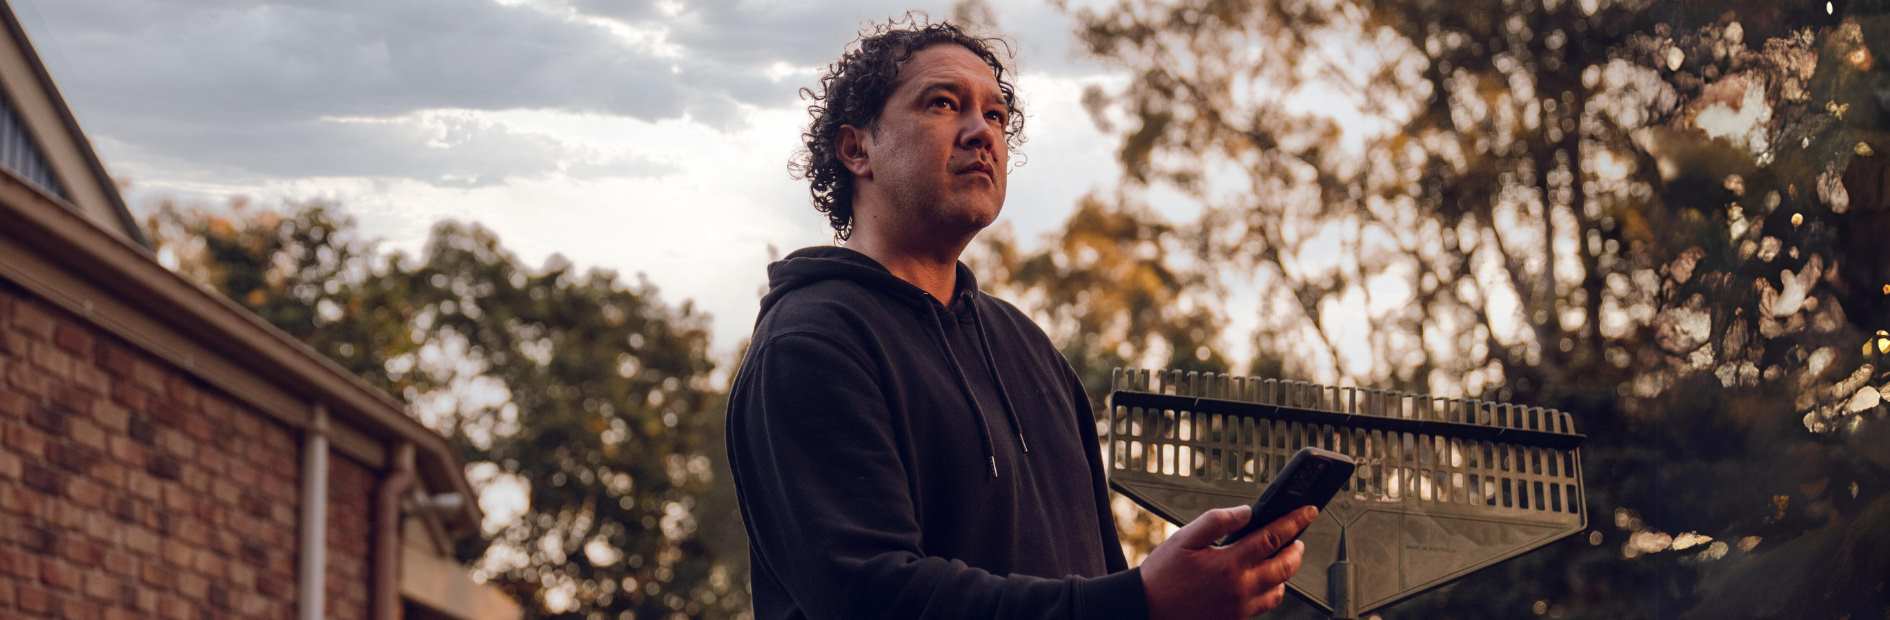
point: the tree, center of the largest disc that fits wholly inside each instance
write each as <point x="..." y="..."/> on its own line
<point x="590" y="393"/>
<point x="1651" y="215"/>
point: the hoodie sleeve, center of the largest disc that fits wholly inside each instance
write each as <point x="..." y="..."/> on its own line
<point x="825" y="499"/>
<point x="1093" y="449"/>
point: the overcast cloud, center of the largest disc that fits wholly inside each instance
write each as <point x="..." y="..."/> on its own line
<point x="647" y="137"/>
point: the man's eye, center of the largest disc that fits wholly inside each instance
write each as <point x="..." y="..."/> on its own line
<point x="999" y="117"/>
<point x="946" y="103"/>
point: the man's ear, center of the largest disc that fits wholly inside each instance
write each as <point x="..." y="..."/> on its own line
<point x="851" y="147"/>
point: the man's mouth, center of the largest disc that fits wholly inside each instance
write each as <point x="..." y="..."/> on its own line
<point x="980" y="169"/>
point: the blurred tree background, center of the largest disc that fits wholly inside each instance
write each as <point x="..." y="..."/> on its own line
<point x="1665" y="218"/>
<point x="585" y="401"/>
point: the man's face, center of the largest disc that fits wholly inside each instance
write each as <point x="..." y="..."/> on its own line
<point x="938" y="152"/>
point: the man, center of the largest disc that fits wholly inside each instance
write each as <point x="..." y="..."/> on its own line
<point x="906" y="446"/>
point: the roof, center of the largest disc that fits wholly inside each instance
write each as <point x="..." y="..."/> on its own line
<point x="76" y="174"/>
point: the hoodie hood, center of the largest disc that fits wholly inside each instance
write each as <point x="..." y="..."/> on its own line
<point x="810" y="265"/>
<point x="815" y="264"/>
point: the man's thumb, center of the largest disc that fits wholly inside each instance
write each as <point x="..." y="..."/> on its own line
<point x="1211" y="526"/>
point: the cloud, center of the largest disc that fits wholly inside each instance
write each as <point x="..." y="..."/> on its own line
<point x="250" y="89"/>
<point x="649" y="137"/>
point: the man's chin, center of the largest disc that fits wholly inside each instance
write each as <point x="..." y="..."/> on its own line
<point x="979" y="218"/>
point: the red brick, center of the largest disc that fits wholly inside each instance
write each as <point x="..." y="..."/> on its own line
<point x="86" y="493"/>
<point x="12" y="404"/>
<point x="210" y="563"/>
<point x="84" y="554"/>
<point x="73" y="339"/>
<point x="109" y="473"/>
<point x="141" y="540"/>
<point x="101" y="586"/>
<point x="142" y="430"/>
<point x="192" y="532"/>
<point x="175" y="442"/>
<point x="16" y="500"/>
<point x="130" y="395"/>
<point x="274" y="585"/>
<point x="192" y="585"/>
<point x="111" y="416"/>
<point x="163" y="466"/>
<point x="73" y="458"/>
<point x="14" y="342"/>
<point x="29" y="318"/>
<point x="23" y="439"/>
<point x="148" y="376"/>
<point x="147" y="601"/>
<point x="174" y="607"/>
<point x="69" y="517"/>
<point x="48" y="419"/>
<point x="200" y="428"/>
<point x="6" y="595"/>
<point x="76" y="609"/>
<point x="219" y="596"/>
<point x="43" y="479"/>
<point x="71" y="398"/>
<point x="58" y="575"/>
<point x="126" y="451"/>
<point x="177" y="553"/>
<point x="157" y="575"/>
<point x="49" y="358"/>
<point x="120" y="562"/>
<point x="115" y="359"/>
<point x="125" y="509"/>
<point x="87" y="433"/>
<point x="19" y="564"/>
<point x="241" y="575"/>
<point x="35" y="601"/>
<point x="143" y="485"/>
<point x="213" y="463"/>
<point x="245" y="475"/>
<point x="101" y="527"/>
<point x="180" y="390"/>
<point x="28" y="380"/>
<point x="38" y="539"/>
<point x="10" y="466"/>
<point x="91" y="380"/>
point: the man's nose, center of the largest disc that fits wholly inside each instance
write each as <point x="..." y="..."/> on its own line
<point x="977" y="133"/>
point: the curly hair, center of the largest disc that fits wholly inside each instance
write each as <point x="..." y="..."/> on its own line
<point x="854" y="90"/>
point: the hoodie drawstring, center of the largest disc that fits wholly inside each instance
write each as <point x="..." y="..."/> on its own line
<point x="991" y="363"/>
<point x="964" y="386"/>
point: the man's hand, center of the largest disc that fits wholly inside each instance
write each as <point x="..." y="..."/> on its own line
<point x="1188" y="577"/>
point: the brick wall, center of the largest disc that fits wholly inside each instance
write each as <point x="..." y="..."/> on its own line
<point x="129" y="490"/>
<point x="350" y="526"/>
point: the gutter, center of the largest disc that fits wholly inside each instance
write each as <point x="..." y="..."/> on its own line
<point x="314" y="540"/>
<point x="385" y="592"/>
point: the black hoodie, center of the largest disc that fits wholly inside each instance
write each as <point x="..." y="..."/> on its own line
<point x="897" y="457"/>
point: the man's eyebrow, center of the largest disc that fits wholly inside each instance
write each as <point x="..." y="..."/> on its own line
<point x="958" y="89"/>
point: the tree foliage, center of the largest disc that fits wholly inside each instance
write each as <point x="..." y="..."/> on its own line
<point x="589" y="394"/>
<point x="1658" y="216"/>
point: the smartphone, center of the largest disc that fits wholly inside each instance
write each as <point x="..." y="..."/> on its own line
<point x="1311" y="478"/>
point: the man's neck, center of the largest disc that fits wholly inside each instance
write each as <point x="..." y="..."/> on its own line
<point x="935" y="271"/>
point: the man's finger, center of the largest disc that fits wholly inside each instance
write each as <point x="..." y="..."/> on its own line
<point x="1281" y="566"/>
<point x="1266" y="602"/>
<point x="1270" y="539"/>
<point x="1211" y="526"/>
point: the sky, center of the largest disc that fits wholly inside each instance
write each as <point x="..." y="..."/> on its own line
<point x="649" y="138"/>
